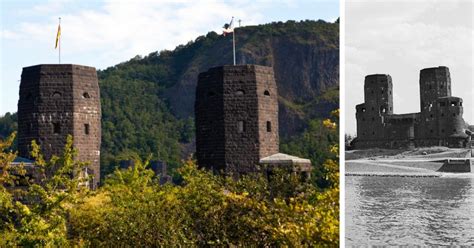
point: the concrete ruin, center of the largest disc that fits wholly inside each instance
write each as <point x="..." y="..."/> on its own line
<point x="57" y="100"/>
<point x="440" y="122"/>
<point x="236" y="113"/>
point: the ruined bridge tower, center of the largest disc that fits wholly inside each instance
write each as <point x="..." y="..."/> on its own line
<point x="378" y="104"/>
<point x="236" y="117"/>
<point x="439" y="123"/>
<point x="440" y="111"/>
<point x="57" y="100"/>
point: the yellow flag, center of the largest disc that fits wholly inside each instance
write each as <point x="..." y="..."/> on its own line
<point x="58" y="36"/>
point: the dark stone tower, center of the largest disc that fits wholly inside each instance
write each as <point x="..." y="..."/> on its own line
<point x="434" y="83"/>
<point x="439" y="123"/>
<point x="236" y="112"/>
<point x="378" y="104"/>
<point x="441" y="113"/>
<point x="57" y="100"/>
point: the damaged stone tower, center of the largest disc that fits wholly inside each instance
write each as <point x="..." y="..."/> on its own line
<point x="236" y="117"/>
<point x="57" y="100"/>
<point x="439" y="123"/>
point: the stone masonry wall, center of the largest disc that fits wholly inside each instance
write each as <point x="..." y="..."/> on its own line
<point x="209" y="120"/>
<point x="53" y="104"/>
<point x="240" y="124"/>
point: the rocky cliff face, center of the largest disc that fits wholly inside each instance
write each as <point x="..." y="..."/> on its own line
<point x="305" y="58"/>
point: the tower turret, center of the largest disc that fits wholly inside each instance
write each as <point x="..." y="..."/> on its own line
<point x="435" y="82"/>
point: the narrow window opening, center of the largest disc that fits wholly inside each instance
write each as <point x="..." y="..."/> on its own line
<point x="56" y="128"/>
<point x="86" y="129"/>
<point x="373" y="133"/>
<point x="240" y="127"/>
<point x="239" y="93"/>
<point x="267" y="93"/>
<point x="56" y="94"/>
<point x="211" y="94"/>
<point x="269" y="126"/>
<point x="431" y="131"/>
<point x="442" y="114"/>
<point x="460" y="104"/>
<point x="373" y="119"/>
<point x="453" y="104"/>
<point x="86" y="95"/>
<point x="28" y="96"/>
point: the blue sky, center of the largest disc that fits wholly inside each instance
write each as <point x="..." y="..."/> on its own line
<point x="105" y="33"/>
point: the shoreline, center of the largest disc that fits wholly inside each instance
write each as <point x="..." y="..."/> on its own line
<point x="419" y="162"/>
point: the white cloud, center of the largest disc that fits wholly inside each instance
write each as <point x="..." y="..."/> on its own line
<point x="122" y="29"/>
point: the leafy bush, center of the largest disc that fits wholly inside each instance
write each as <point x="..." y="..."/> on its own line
<point x="133" y="210"/>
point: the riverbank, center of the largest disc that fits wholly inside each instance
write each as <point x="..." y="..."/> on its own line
<point x="417" y="153"/>
<point x="417" y="162"/>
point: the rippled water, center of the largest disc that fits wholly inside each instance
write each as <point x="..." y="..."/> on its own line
<point x="397" y="211"/>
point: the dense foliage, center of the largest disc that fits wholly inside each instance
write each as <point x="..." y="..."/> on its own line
<point x="8" y="125"/>
<point x="313" y="143"/>
<point x="133" y="210"/>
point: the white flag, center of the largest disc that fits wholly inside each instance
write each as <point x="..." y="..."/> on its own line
<point x="228" y="27"/>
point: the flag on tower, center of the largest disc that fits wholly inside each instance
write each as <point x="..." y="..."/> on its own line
<point x="228" y="27"/>
<point x="58" y="35"/>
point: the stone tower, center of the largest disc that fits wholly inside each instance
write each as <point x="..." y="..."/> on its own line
<point x="236" y="112"/>
<point x="439" y="123"/>
<point x="57" y="100"/>
<point x="435" y="82"/>
<point x="441" y="113"/>
<point x="378" y="104"/>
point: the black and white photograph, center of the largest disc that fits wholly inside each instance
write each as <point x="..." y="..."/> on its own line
<point x="409" y="123"/>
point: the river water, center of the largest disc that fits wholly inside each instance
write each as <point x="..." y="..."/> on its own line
<point x="413" y="211"/>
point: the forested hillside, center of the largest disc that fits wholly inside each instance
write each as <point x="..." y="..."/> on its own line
<point x="147" y="103"/>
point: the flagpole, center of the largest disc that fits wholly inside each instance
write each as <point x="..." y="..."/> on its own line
<point x="233" y="43"/>
<point x="233" y="38"/>
<point x="59" y="41"/>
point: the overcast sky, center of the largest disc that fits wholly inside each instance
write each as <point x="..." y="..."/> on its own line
<point x="402" y="37"/>
<point x="105" y="33"/>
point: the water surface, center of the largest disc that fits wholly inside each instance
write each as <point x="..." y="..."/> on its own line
<point x="410" y="211"/>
